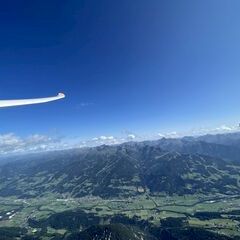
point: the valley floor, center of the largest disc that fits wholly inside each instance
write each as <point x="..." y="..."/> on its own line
<point x="217" y="213"/>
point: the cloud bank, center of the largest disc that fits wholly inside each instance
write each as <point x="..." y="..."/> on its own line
<point x="12" y="144"/>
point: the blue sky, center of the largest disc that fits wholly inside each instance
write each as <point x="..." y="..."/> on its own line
<point x="126" y="66"/>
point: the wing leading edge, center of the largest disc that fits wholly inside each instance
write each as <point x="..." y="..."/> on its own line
<point x="20" y="102"/>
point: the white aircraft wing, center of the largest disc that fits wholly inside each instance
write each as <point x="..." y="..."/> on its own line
<point x="19" y="102"/>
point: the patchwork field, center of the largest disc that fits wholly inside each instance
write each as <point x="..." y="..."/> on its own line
<point x="218" y="213"/>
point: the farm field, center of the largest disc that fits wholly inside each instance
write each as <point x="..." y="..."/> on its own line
<point x="217" y="213"/>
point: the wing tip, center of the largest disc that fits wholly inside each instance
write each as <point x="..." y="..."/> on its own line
<point x="61" y="95"/>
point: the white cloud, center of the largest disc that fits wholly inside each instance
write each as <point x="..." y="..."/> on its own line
<point x="11" y="143"/>
<point x="169" y="135"/>
<point x="215" y="130"/>
<point x="225" y="128"/>
<point x="83" y="105"/>
<point x="103" y="138"/>
<point x="201" y="131"/>
<point x="172" y="135"/>
<point x="161" y="135"/>
<point x="108" y="140"/>
<point x="131" y="136"/>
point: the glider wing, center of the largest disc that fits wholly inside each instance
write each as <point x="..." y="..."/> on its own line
<point x="20" y="102"/>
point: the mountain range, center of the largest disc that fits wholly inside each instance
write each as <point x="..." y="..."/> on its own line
<point x="174" y="166"/>
<point x="169" y="189"/>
